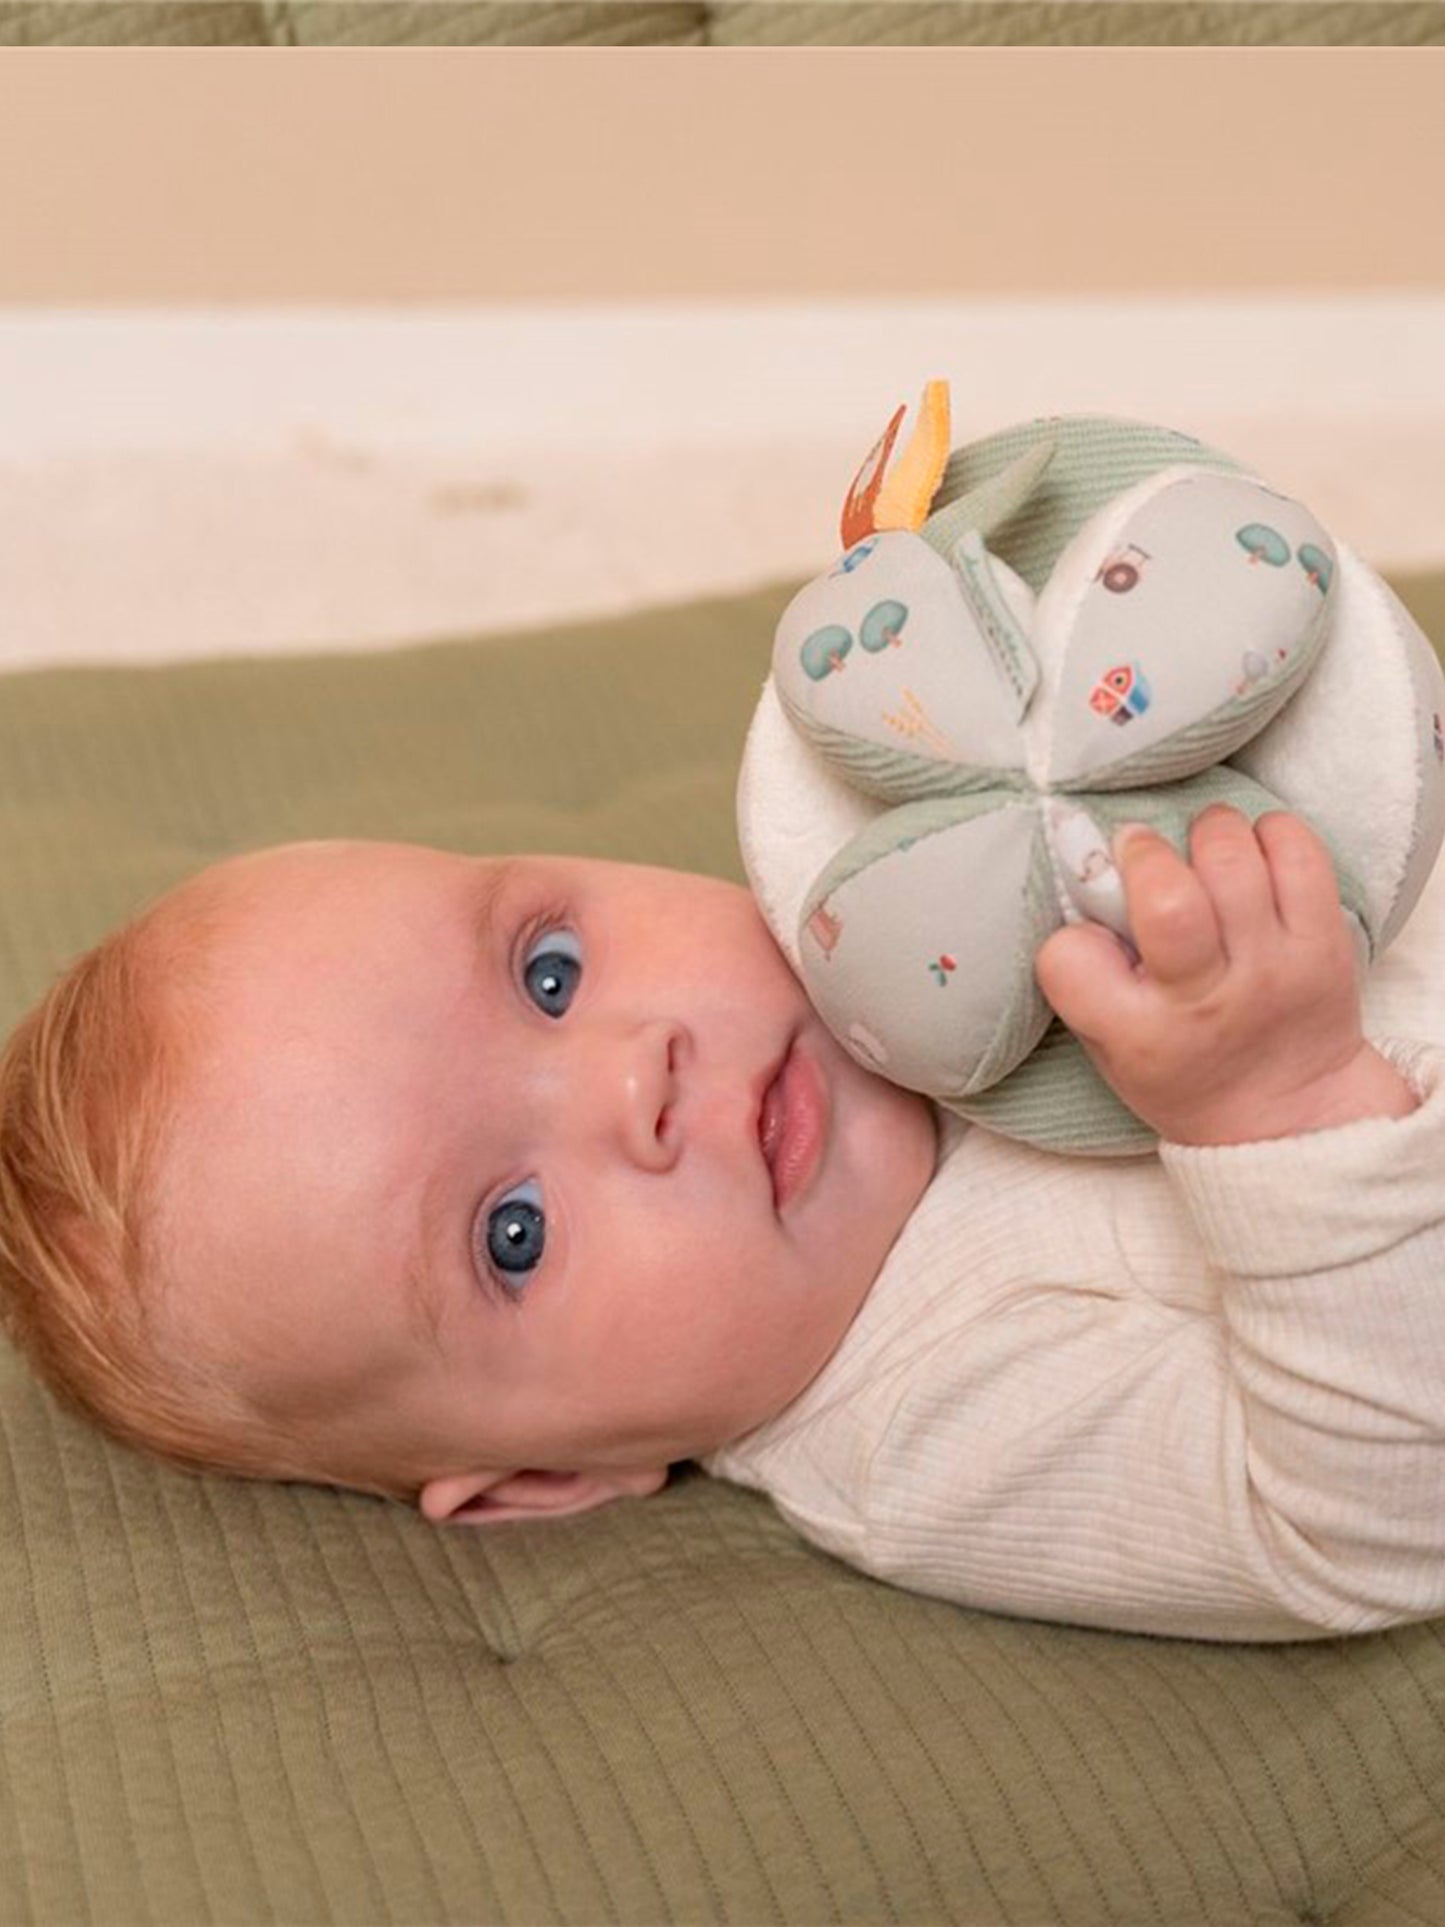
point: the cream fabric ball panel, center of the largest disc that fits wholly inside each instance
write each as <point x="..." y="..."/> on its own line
<point x="1363" y="742"/>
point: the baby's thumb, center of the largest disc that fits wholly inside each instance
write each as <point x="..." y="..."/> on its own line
<point x="1086" y="973"/>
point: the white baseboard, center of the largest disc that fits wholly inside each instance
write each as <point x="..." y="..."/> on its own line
<point x="182" y="483"/>
<point x="615" y="374"/>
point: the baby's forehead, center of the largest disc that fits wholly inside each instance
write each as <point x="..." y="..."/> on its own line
<point x="253" y="877"/>
<point x="230" y="900"/>
<point x="332" y="903"/>
<point x="219" y="898"/>
<point x="239" y="933"/>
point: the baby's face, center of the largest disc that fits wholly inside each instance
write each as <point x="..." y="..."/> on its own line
<point x="470" y="1160"/>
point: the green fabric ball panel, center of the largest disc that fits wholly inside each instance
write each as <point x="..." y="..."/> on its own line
<point x="1204" y="606"/>
<point x="915" y="942"/>
<point x="883" y="667"/>
<point x="1057" y="1101"/>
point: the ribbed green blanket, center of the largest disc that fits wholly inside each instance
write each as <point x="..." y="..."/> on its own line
<point x="377" y="23"/>
<point x="234" y="1703"/>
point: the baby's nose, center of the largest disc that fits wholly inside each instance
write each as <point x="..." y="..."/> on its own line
<point x="634" y="1078"/>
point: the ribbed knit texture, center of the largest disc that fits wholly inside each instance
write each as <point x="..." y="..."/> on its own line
<point x="722" y="22"/>
<point x="1076" y="23"/>
<point x="1201" y="1393"/>
<point x="356" y="23"/>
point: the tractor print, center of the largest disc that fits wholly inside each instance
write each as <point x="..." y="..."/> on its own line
<point x="1121" y="571"/>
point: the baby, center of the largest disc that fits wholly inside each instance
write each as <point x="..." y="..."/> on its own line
<point x="499" y="1186"/>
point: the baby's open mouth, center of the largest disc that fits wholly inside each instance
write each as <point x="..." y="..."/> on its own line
<point x="793" y="1124"/>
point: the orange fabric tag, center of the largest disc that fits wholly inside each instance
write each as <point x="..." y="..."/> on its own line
<point x="907" y="494"/>
<point x="857" y="519"/>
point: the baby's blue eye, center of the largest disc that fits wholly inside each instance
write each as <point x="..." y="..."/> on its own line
<point x="517" y="1231"/>
<point x="552" y="971"/>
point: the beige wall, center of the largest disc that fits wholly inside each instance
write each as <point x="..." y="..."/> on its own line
<point x="188" y="176"/>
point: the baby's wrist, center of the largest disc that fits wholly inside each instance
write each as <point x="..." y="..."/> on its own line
<point x="1367" y="1086"/>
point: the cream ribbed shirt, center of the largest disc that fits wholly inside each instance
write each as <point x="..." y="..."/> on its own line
<point x="1198" y="1393"/>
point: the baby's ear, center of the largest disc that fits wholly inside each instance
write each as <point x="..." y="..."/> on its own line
<point x="481" y="1498"/>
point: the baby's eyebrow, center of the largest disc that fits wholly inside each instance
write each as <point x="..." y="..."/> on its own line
<point x="491" y="889"/>
<point x="424" y="1280"/>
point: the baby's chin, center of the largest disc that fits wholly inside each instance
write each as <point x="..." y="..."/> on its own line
<point x="884" y="1139"/>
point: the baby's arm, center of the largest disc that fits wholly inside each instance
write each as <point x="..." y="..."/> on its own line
<point x="1237" y="1034"/>
<point x="1240" y="1021"/>
<point x="1256" y="1453"/>
<point x="1203" y="1396"/>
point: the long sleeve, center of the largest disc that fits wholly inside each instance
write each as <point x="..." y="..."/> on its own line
<point x="1201" y="1396"/>
<point x="1331" y="1252"/>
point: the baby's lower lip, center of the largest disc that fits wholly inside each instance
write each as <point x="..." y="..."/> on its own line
<point x="794" y="1125"/>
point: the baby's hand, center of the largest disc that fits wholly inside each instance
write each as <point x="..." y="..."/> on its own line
<point x="1241" y="1019"/>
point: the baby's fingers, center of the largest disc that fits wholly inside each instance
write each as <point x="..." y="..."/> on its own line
<point x="1302" y="875"/>
<point x="1176" y="930"/>
<point x="1233" y="867"/>
<point x="1086" y="975"/>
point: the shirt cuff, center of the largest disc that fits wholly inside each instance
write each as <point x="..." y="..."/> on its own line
<point x="1300" y="1204"/>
